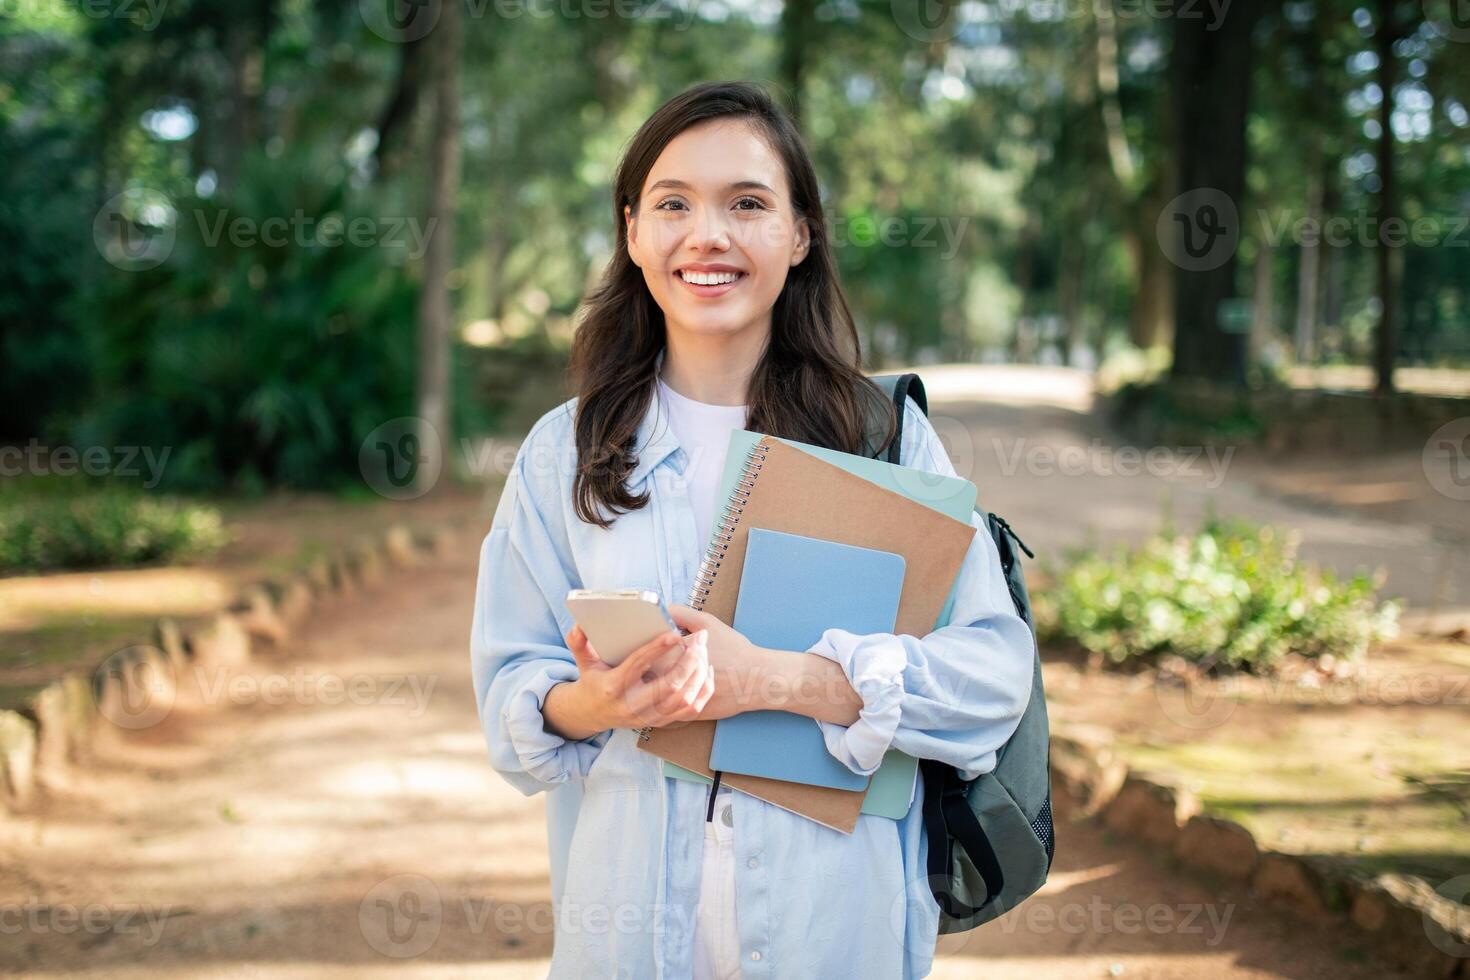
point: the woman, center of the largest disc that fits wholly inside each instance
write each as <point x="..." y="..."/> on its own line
<point x="720" y="309"/>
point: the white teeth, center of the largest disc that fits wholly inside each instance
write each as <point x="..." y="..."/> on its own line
<point x="709" y="278"/>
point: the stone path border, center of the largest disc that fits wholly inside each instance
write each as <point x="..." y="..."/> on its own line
<point x="54" y="729"/>
<point x="1401" y="916"/>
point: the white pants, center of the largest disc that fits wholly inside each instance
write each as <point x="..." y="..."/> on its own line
<point x="716" y="938"/>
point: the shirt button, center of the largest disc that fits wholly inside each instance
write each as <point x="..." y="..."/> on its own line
<point x="755" y="954"/>
<point x="752" y="863"/>
<point x="726" y="818"/>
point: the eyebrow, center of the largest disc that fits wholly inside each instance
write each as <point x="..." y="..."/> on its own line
<point x="737" y="185"/>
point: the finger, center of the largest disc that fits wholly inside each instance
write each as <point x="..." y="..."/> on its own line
<point x="706" y="691"/>
<point x="685" y="703"/>
<point x="644" y="694"/>
<point x="683" y="680"/>
<point x="646" y="656"/>
<point x="689" y="618"/>
<point x="665" y="660"/>
<point x="582" y="649"/>
<point x="690" y="656"/>
<point x="677" y="665"/>
<point x="576" y="642"/>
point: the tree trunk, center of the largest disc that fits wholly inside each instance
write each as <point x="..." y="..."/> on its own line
<point x="1309" y="269"/>
<point x="1332" y="272"/>
<point x="1025" y="277"/>
<point x="1386" y="341"/>
<point x="1106" y="55"/>
<point x="241" y="129"/>
<point x="1071" y="287"/>
<point x="798" y="24"/>
<point x="1151" y="320"/>
<point x="1262" y="302"/>
<point x="434" y="309"/>
<point x="1211" y="75"/>
<point x="394" y="122"/>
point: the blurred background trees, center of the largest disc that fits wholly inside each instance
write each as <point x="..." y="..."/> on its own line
<point x="255" y="232"/>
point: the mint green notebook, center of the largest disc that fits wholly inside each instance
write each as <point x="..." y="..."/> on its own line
<point x="893" y="787"/>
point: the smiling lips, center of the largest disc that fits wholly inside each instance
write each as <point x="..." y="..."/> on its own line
<point x="715" y="282"/>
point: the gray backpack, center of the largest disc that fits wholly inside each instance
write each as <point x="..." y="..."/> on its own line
<point x="990" y="839"/>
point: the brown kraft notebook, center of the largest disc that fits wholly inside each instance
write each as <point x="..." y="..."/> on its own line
<point x="787" y="489"/>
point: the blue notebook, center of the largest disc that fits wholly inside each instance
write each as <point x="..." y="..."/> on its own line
<point x="792" y="589"/>
<point x="896" y="780"/>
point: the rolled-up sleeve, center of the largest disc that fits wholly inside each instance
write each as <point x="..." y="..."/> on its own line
<point x="955" y="695"/>
<point x="517" y="651"/>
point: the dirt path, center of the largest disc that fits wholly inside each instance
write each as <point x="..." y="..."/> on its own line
<point x="358" y="830"/>
<point x="1024" y="435"/>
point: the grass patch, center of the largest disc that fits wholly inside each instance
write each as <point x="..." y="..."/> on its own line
<point x="1231" y="594"/>
<point x="1362" y="801"/>
<point x="105" y="528"/>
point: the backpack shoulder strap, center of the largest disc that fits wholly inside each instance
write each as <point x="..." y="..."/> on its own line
<point x="900" y="388"/>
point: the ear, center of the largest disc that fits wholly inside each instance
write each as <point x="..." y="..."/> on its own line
<point x="803" y="241"/>
<point x="632" y="225"/>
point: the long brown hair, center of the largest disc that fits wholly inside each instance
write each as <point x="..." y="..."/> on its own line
<point x="808" y="385"/>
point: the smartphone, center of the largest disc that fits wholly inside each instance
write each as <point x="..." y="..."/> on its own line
<point x="619" y="621"/>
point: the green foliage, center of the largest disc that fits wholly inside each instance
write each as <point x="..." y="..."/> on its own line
<point x="267" y="345"/>
<point x="108" y="527"/>
<point x="1128" y="364"/>
<point x="984" y="191"/>
<point x="1192" y="413"/>
<point x="1231" y="594"/>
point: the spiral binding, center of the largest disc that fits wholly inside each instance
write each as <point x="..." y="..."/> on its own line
<point x="724" y="533"/>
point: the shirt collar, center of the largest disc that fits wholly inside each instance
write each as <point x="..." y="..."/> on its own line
<point x="656" y="440"/>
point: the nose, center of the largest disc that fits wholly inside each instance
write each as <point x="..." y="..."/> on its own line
<point x="709" y="231"/>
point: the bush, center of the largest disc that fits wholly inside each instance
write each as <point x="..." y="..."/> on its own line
<point x="256" y="359"/>
<point x="110" y="527"/>
<point x="1231" y="594"/>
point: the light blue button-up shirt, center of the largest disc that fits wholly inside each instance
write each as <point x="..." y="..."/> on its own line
<point x="626" y="842"/>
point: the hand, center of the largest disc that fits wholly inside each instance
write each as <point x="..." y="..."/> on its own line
<point x="737" y="665"/>
<point x="665" y="681"/>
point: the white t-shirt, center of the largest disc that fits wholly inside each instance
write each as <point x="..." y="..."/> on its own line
<point x="703" y="431"/>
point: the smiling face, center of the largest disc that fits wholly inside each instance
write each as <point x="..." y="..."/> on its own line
<point x="715" y="231"/>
